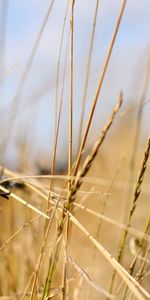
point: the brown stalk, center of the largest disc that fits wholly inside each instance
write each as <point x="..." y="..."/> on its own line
<point x="108" y="55"/>
<point x="64" y="277"/>
<point x="89" y="160"/>
<point x="137" y="192"/>
<point x="108" y="195"/>
<point x="87" y="278"/>
<point x="58" y="63"/>
<point x="70" y="139"/>
<point x="49" y="223"/>
<point x="71" y="196"/>
<point x="57" y="133"/>
<point x="139" y="116"/>
<point x="41" y="255"/>
<point x="141" y="247"/>
<point x="71" y="91"/>
<point x="136" y="138"/>
<point x="52" y="262"/>
<point x="88" y="73"/>
<point x="139" y="292"/>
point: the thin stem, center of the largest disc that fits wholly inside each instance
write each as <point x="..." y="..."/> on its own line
<point x="89" y="160"/>
<point x="136" y="195"/>
<point x="108" y="55"/>
<point x="20" y="200"/>
<point x="57" y="134"/>
<point x="141" y="246"/>
<point x="58" y="64"/>
<point x="64" y="280"/>
<point x="134" y="286"/>
<point x="88" y="73"/>
<point x="71" y="91"/>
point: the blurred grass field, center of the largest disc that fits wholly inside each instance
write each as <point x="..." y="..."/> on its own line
<point x="76" y="223"/>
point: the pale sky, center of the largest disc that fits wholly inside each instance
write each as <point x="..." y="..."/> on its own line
<point x="126" y="69"/>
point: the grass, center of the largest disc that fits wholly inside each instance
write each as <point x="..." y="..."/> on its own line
<point x="83" y="234"/>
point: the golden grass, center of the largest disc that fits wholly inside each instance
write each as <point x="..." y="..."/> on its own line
<point x="67" y="236"/>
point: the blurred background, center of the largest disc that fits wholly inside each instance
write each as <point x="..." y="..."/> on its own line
<point x="30" y="39"/>
<point x="34" y="89"/>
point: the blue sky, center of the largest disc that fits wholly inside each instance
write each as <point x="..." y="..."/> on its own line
<point x="126" y="70"/>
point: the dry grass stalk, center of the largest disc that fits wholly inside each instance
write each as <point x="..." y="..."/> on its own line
<point x="136" y="138"/>
<point x="141" y="244"/>
<point x="50" y="194"/>
<point x="141" y="271"/>
<point x="57" y="246"/>
<point x="25" y="203"/>
<point x="71" y="92"/>
<point x="65" y="286"/>
<point x="41" y="254"/>
<point x="137" y="233"/>
<point x="64" y="279"/>
<point x="57" y="122"/>
<point x="137" y="192"/>
<point x="51" y="183"/>
<point x="55" y="253"/>
<point x="108" y="196"/>
<point x="133" y="285"/>
<point x="58" y="63"/>
<point x="27" y="287"/>
<point x="108" y="55"/>
<point x="88" y="72"/>
<point x="89" y="160"/>
<point x="47" y="283"/>
<point x="16" y="233"/>
<point x="139" y="117"/>
<point x="52" y="264"/>
<point x="86" y="276"/>
<point x="140" y="274"/>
